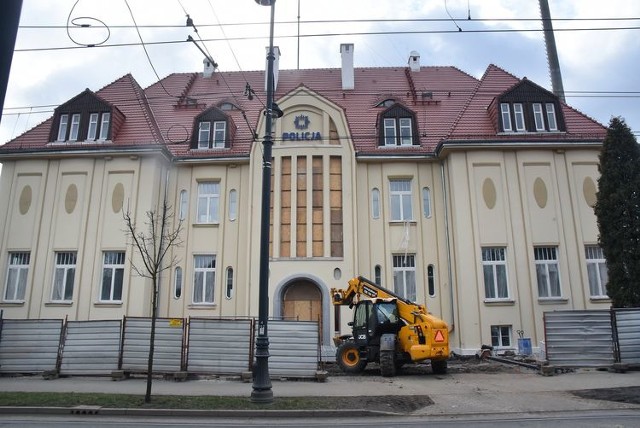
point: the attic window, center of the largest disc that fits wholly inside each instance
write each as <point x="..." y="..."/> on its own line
<point x="228" y="106"/>
<point x="528" y="117"/>
<point x="386" y="103"/>
<point x="212" y="129"/>
<point x="397" y="127"/>
<point x="84" y="126"/>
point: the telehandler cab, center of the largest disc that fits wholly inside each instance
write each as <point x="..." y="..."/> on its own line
<point x="389" y="330"/>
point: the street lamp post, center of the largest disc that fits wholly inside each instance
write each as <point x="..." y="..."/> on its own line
<point x="262" y="392"/>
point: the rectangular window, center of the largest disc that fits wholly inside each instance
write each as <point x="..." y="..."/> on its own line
<point x="389" y="132"/>
<point x="219" y="132"/>
<point x="64" y="276"/>
<point x="204" y="132"/>
<point x="208" y="202"/>
<point x="112" y="276"/>
<point x="506" y="117"/>
<point x="518" y="115"/>
<point x="93" y="126"/>
<point x="501" y="336"/>
<point x="547" y="272"/>
<point x="405" y="131"/>
<point x="401" y="205"/>
<point x="104" y="126"/>
<point x="62" y="129"/>
<point x="375" y="203"/>
<point x="551" y="117"/>
<point x="494" y="268"/>
<point x="75" y="126"/>
<point x="404" y="276"/>
<point x="538" y="116"/>
<point x="17" y="273"/>
<point x="204" y="272"/>
<point x="596" y="270"/>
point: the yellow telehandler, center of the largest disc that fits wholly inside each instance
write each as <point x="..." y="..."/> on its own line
<point x="389" y="330"/>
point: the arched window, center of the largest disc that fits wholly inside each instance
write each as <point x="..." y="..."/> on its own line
<point x="377" y="275"/>
<point x="233" y="204"/>
<point x="229" y="289"/>
<point x="375" y="203"/>
<point x="183" y="204"/>
<point x="431" y="281"/>
<point x="426" y="202"/>
<point x="177" y="283"/>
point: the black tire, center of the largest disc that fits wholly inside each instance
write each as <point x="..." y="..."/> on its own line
<point x="349" y="359"/>
<point x="439" y="366"/>
<point x="388" y="366"/>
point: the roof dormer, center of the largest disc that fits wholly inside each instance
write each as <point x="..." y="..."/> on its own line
<point x="212" y="129"/>
<point x="397" y="126"/>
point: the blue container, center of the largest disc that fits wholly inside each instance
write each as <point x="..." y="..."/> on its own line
<point x="524" y="346"/>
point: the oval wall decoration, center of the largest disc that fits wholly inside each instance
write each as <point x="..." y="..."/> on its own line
<point x="25" y="199"/>
<point x="589" y="191"/>
<point x="117" y="198"/>
<point x="489" y="193"/>
<point x="540" y="192"/>
<point x="71" y="198"/>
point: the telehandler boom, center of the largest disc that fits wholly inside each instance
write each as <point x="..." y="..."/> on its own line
<point x="389" y="330"/>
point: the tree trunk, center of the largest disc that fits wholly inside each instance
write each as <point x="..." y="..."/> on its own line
<point x="154" y="312"/>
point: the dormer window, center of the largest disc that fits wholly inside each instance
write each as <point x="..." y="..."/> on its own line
<point x="75" y="126"/>
<point x="397" y="127"/>
<point x="104" y="126"/>
<point x="552" y="124"/>
<point x="212" y="130"/>
<point x="84" y="118"/>
<point x="527" y="107"/>
<point x="62" y="129"/>
<point x="386" y="103"/>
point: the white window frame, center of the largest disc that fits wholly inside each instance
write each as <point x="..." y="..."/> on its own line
<point x="406" y="131"/>
<point x="494" y="269"/>
<point x="596" y="271"/>
<point x="538" y="117"/>
<point x="15" y="285"/>
<point x="551" y="117"/>
<point x="547" y="272"/>
<point x="229" y="283"/>
<point x="233" y="204"/>
<point x="184" y="204"/>
<point x="518" y="115"/>
<point x="219" y="133"/>
<point x="204" y="135"/>
<point x="104" y="126"/>
<point x="500" y="333"/>
<point x="64" y="274"/>
<point x="113" y="262"/>
<point x="208" y="202"/>
<point x="390" y="131"/>
<point x="93" y="126"/>
<point x="75" y="127"/>
<point x="375" y="203"/>
<point x="204" y="279"/>
<point x="62" y="128"/>
<point x="505" y="112"/>
<point x="426" y="202"/>
<point x="177" y="283"/>
<point x="404" y="275"/>
<point x="401" y="199"/>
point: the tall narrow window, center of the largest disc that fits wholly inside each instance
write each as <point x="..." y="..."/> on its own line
<point x="208" y="202"/>
<point x="16" y="284"/>
<point x="177" y="283"/>
<point x="93" y="126"/>
<point x="112" y="276"/>
<point x="389" y="132"/>
<point x="538" y="116"/>
<point x="62" y="128"/>
<point x="377" y="274"/>
<point x="597" y="271"/>
<point x="426" y="202"/>
<point x="404" y="276"/>
<point x="75" y="127"/>
<point x="431" y="280"/>
<point x="375" y="203"/>
<point x="518" y="115"/>
<point x="204" y="130"/>
<point x="219" y="132"/>
<point x="233" y="204"/>
<point x="406" y="139"/>
<point x="63" y="276"/>
<point x="547" y="271"/>
<point x="401" y="205"/>
<point x="506" y="117"/>
<point x="494" y="268"/>
<point x="104" y="126"/>
<point x="501" y="336"/>
<point x="229" y="290"/>
<point x="204" y="278"/>
<point x="551" y="117"/>
<point x="184" y="204"/>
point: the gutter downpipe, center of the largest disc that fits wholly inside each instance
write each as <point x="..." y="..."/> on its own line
<point x="452" y="325"/>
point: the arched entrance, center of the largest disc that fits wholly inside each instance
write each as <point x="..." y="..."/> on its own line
<point x="302" y="301"/>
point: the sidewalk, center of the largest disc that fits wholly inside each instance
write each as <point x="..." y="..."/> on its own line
<point x="454" y="394"/>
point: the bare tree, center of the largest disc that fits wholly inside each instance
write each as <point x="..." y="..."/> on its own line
<point x="153" y="244"/>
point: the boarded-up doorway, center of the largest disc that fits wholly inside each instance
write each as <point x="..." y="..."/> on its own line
<point x="302" y="301"/>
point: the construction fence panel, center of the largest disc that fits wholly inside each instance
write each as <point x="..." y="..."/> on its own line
<point x="293" y="348"/>
<point x="579" y="338"/>
<point x="168" y="349"/>
<point x="29" y="346"/>
<point x="627" y="323"/>
<point x="91" y="347"/>
<point x="219" y="346"/>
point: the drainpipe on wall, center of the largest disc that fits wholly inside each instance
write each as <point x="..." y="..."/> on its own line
<point x="452" y="325"/>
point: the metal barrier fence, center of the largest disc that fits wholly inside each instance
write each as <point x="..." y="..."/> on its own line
<point x="627" y="335"/>
<point x="219" y="346"/>
<point x="91" y="347"/>
<point x="294" y="348"/>
<point x="29" y="346"/>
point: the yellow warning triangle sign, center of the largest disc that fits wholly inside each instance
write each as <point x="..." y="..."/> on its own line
<point x="439" y="336"/>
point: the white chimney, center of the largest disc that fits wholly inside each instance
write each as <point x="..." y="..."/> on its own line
<point x="208" y="68"/>
<point x="276" y="65"/>
<point x="414" y="61"/>
<point x="346" y="52"/>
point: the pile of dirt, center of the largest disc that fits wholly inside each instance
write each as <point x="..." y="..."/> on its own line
<point x="629" y="394"/>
